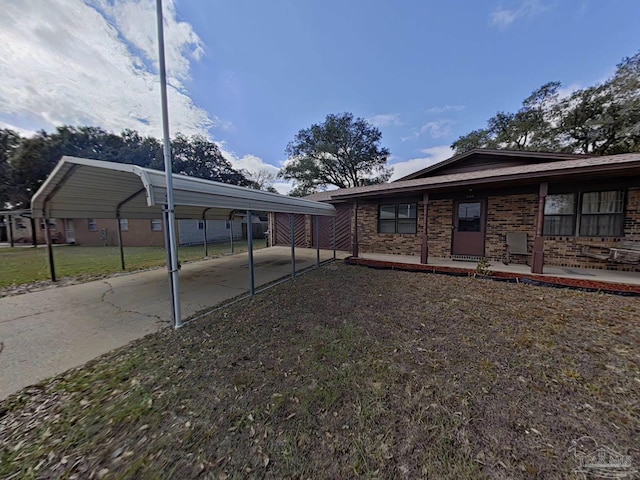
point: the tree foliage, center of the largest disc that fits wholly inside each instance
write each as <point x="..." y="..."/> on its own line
<point x="25" y="163"/>
<point x="601" y="119"/>
<point x="342" y="152"/>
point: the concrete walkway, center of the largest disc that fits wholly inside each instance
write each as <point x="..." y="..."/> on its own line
<point x="47" y="332"/>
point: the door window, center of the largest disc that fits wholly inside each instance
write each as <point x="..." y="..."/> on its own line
<point x="469" y="217"/>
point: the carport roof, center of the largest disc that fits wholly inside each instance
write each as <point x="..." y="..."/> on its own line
<point x="83" y="188"/>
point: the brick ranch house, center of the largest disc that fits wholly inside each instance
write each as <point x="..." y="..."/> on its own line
<point x="464" y="207"/>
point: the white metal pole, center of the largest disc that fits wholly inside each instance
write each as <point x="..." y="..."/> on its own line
<point x="174" y="279"/>
<point x="252" y="283"/>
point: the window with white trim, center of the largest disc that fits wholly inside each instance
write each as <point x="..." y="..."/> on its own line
<point x="124" y="224"/>
<point x="92" y="225"/>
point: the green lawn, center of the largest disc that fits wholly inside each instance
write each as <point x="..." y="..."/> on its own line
<point x="22" y="265"/>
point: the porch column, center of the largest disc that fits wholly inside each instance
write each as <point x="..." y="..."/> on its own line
<point x="334" y="238"/>
<point x="355" y="229"/>
<point x="537" y="263"/>
<point x="424" y="251"/>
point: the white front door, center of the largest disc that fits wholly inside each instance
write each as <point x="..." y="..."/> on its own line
<point x="71" y="231"/>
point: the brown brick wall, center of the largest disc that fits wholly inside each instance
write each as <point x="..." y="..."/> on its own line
<point x="566" y="251"/>
<point x="509" y="213"/>
<point x="505" y="213"/>
<point x="439" y="223"/>
<point x="369" y="240"/>
<point x="139" y="233"/>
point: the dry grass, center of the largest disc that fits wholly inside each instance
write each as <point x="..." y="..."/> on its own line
<point x="348" y="372"/>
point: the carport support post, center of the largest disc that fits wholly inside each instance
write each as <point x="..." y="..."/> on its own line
<point x="9" y="220"/>
<point x="252" y="286"/>
<point x="537" y="263"/>
<point x="174" y="277"/>
<point x="317" y="240"/>
<point x="34" y="238"/>
<point x="334" y="238"/>
<point x="47" y="234"/>
<point x="206" y="246"/>
<point x="120" y="241"/>
<point x="292" y="234"/>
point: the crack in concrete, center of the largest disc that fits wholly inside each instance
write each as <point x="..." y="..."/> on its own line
<point x="103" y="299"/>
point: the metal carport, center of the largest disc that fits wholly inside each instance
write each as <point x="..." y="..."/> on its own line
<point x="83" y="188"/>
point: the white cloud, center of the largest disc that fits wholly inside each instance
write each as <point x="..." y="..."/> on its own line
<point x="254" y="164"/>
<point x="436" y="129"/>
<point x="504" y="17"/>
<point x="69" y="62"/>
<point x="385" y="120"/>
<point x="433" y="155"/>
<point x="446" y="108"/>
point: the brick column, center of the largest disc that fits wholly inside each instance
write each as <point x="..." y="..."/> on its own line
<point x="424" y="251"/>
<point x="537" y="263"/>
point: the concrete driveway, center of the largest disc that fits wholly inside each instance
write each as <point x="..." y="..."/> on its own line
<point x="47" y="332"/>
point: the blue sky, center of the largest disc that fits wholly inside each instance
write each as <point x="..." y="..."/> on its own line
<point x="250" y="74"/>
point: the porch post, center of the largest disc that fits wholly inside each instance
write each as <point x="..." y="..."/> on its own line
<point x="293" y="244"/>
<point x="537" y="263"/>
<point x="334" y="238"/>
<point x="424" y="251"/>
<point x="355" y="229"/>
<point x="47" y="233"/>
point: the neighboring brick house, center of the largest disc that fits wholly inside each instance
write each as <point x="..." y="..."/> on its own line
<point x="563" y="202"/>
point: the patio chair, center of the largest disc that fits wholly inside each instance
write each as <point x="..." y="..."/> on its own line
<point x="516" y="244"/>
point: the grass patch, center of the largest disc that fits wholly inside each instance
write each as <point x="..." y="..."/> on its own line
<point x="347" y="372"/>
<point x="22" y="265"/>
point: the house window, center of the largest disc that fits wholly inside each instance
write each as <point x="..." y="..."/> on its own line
<point x="602" y="214"/>
<point x="200" y="224"/>
<point x="156" y="225"/>
<point x="92" y="225"/>
<point x="53" y="224"/>
<point x="591" y="214"/>
<point x="560" y="214"/>
<point x="124" y="224"/>
<point x="398" y="218"/>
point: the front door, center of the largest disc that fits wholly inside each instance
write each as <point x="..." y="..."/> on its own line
<point x="468" y="227"/>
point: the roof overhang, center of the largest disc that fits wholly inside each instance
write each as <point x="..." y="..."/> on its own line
<point x="623" y="165"/>
<point x="83" y="188"/>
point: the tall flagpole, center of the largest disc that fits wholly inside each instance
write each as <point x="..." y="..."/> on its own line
<point x="172" y="250"/>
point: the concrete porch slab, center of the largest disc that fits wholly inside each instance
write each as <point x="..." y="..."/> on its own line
<point x="593" y="279"/>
